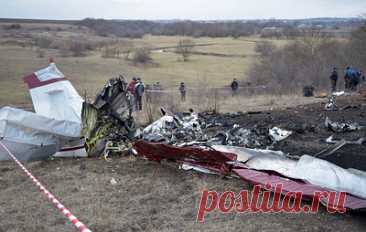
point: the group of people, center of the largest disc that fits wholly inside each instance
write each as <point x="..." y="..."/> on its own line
<point x="352" y="79"/>
<point x="183" y="90"/>
<point x="137" y="89"/>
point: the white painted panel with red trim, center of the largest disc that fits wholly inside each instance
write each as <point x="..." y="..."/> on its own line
<point x="53" y="95"/>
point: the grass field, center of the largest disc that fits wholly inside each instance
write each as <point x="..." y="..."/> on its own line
<point x="89" y="73"/>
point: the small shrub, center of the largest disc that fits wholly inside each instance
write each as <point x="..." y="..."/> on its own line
<point x="185" y="48"/>
<point x="14" y="26"/>
<point x="142" y="55"/>
<point x="110" y="52"/>
<point x="43" y="42"/>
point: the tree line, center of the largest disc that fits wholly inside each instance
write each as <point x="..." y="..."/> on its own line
<point x="139" y="28"/>
<point x="308" y="60"/>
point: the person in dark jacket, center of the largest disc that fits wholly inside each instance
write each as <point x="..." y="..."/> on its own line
<point x="139" y="92"/>
<point x="333" y="79"/>
<point x="234" y="86"/>
<point x="348" y="78"/>
<point x="182" y="90"/>
<point x="356" y="80"/>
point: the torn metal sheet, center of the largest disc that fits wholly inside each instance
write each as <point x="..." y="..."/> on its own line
<point x="331" y="150"/>
<point x="108" y="118"/>
<point x="161" y="130"/>
<point x="53" y="96"/>
<point x="245" y="154"/>
<point x="32" y="136"/>
<point x="291" y="185"/>
<point x="342" y="127"/>
<point x="278" y="134"/>
<point x="313" y="170"/>
<point x="202" y="156"/>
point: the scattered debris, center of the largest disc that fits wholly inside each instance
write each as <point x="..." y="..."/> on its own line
<point x="331" y="105"/>
<point x="238" y="136"/>
<point x="175" y="129"/>
<point x="359" y="141"/>
<point x="113" y="181"/>
<point x="342" y="127"/>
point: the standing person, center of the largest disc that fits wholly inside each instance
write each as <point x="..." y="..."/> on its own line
<point x="348" y="78"/>
<point x="362" y="77"/>
<point x="148" y="93"/>
<point x="131" y="85"/>
<point x="333" y="79"/>
<point x="234" y="87"/>
<point x="356" y="79"/>
<point x="139" y="92"/>
<point x="182" y="90"/>
<point x="131" y="89"/>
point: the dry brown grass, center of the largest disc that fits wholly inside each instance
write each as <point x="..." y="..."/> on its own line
<point x="90" y="73"/>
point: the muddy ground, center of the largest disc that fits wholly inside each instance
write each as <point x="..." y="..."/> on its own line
<point x="158" y="197"/>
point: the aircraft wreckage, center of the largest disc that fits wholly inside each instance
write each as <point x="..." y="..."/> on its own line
<point x="78" y="128"/>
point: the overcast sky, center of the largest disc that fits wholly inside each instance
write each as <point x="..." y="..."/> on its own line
<point x="180" y="9"/>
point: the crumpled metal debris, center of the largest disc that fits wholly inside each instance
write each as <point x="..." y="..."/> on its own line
<point x="342" y="127"/>
<point x="278" y="134"/>
<point x="108" y="119"/>
<point x="187" y="129"/>
<point x="238" y="136"/>
<point x="331" y="105"/>
<point x="175" y="129"/>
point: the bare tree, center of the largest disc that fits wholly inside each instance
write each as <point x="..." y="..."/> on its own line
<point x="185" y="48"/>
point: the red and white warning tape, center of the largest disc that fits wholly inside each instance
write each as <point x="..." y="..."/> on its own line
<point x="78" y="224"/>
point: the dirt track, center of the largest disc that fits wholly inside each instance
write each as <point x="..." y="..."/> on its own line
<point x="153" y="197"/>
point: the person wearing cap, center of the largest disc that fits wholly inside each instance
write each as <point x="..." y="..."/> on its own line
<point x="139" y="92"/>
<point x="333" y="79"/>
<point x="182" y="90"/>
